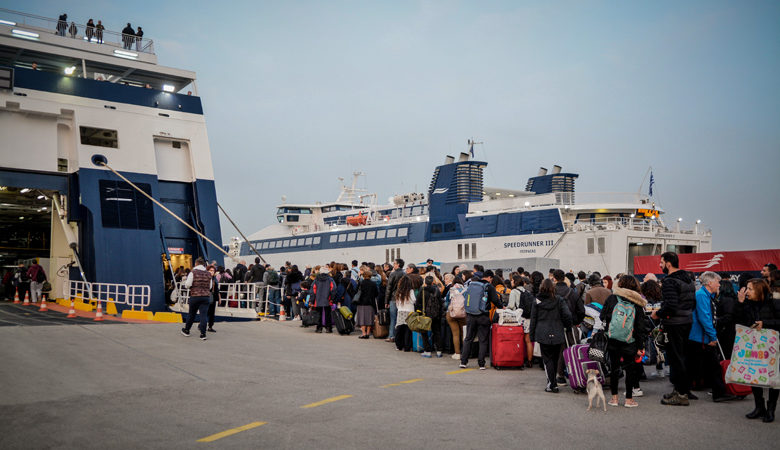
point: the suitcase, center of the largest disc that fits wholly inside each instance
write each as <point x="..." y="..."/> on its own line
<point x="577" y="362"/>
<point x="508" y="346"/>
<point x="346" y="312"/>
<point x="309" y="318"/>
<point x="417" y="343"/>
<point x="737" y="390"/>
<point x="380" y="331"/>
<point x="343" y="326"/>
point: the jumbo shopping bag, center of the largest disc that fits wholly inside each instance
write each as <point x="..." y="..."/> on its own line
<point x="754" y="359"/>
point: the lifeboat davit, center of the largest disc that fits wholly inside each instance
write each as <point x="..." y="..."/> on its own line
<point x="360" y="219"/>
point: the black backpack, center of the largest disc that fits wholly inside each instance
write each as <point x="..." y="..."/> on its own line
<point x="40" y="277"/>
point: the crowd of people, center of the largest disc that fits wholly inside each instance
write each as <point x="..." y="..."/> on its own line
<point x="130" y="37"/>
<point x="694" y="316"/>
<point x="30" y="281"/>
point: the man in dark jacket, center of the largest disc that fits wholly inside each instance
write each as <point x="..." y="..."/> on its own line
<point x="128" y="37"/>
<point x="392" y="283"/>
<point x="324" y="289"/>
<point x="478" y="325"/>
<point x="550" y="317"/>
<point x="239" y="272"/>
<point x="676" y="314"/>
<point x="725" y="315"/>
<point x="577" y="310"/>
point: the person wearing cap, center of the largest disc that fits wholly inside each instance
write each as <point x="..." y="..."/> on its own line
<point x="324" y="288"/>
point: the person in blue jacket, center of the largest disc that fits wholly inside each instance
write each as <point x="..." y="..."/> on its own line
<point x="703" y="339"/>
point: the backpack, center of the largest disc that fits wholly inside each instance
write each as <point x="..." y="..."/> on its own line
<point x="457" y="308"/>
<point x="621" y="326"/>
<point x="476" y="298"/>
<point x="40" y="276"/>
<point x="273" y="278"/>
<point x="352" y="288"/>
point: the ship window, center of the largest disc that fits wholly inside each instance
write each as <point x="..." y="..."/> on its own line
<point x="602" y="245"/>
<point x="351" y="237"/>
<point x="474" y="250"/>
<point x="590" y="246"/>
<point x="436" y="228"/>
<point x="403" y="232"/>
<point x="370" y="234"/>
<point x="121" y="206"/>
<point x="280" y="218"/>
<point x="286" y="243"/>
<point x="292" y="218"/>
<point x="342" y="237"/>
<point x="407" y="212"/>
<point x="266" y="244"/>
<point x="460" y="251"/>
<point x="392" y="254"/>
<point x="466" y="251"/>
<point x="334" y="238"/>
<point x="392" y="232"/>
<point x="398" y="252"/>
<point x="100" y="137"/>
<point x="361" y="236"/>
<point x="272" y="244"/>
<point x="307" y="241"/>
<point x="449" y="227"/>
<point x="380" y="234"/>
<point x="316" y="240"/>
<point x="417" y="210"/>
<point x="387" y="255"/>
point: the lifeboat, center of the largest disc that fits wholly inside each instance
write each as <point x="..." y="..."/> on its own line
<point x="355" y="221"/>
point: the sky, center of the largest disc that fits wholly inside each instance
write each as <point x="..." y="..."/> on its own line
<point x="299" y="93"/>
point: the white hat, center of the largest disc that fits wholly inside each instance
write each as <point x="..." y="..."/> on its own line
<point x="324" y="270"/>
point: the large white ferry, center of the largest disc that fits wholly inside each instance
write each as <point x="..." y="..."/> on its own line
<point x="459" y="221"/>
<point x="68" y="103"/>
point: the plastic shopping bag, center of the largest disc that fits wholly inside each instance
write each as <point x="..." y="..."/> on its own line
<point x="754" y="359"/>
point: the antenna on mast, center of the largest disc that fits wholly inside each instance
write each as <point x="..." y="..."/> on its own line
<point x="471" y="143"/>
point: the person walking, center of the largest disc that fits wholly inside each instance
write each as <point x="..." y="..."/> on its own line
<point x="480" y="295"/>
<point x="550" y="316"/>
<point x="22" y="281"/>
<point x="676" y="314"/>
<point x="623" y="316"/>
<point x="199" y="282"/>
<point x="37" y="277"/>
<point x="392" y="283"/>
<point x="367" y="298"/>
<point x="324" y="288"/>
<point x="761" y="310"/>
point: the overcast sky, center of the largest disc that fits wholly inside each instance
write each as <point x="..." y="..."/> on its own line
<point x="297" y="94"/>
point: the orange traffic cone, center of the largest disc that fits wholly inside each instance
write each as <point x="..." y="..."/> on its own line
<point x="26" y="299"/>
<point x="72" y="312"/>
<point x="281" y="313"/>
<point x="99" y="312"/>
<point x="16" y="296"/>
<point x="43" y="303"/>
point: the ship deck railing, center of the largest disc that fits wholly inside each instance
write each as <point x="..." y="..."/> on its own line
<point x="630" y="223"/>
<point x="241" y="300"/>
<point x="40" y="24"/>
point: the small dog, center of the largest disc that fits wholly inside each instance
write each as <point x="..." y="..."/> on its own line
<point x="595" y="390"/>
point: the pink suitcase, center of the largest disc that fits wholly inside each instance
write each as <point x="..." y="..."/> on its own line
<point x="577" y="362"/>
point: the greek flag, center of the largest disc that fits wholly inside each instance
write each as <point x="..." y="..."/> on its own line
<point x="471" y="148"/>
<point x="652" y="182"/>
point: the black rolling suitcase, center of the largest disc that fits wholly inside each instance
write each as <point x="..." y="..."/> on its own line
<point x="343" y="326"/>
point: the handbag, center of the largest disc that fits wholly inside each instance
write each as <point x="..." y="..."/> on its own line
<point x="754" y="358"/>
<point x="356" y="297"/>
<point x="597" y="351"/>
<point x="418" y="321"/>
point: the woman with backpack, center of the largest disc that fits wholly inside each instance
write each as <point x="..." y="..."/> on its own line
<point x="404" y="301"/>
<point x="429" y="303"/>
<point x="623" y="318"/>
<point x="550" y="316"/>
<point x="456" y="313"/>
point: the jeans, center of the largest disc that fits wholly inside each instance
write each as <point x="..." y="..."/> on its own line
<point x="456" y="325"/>
<point x="212" y="309"/>
<point x="434" y="343"/>
<point x="550" y="355"/>
<point x="274" y="298"/>
<point x="393" y="318"/>
<point x="476" y="326"/>
<point x="198" y="305"/>
<point x="675" y="356"/>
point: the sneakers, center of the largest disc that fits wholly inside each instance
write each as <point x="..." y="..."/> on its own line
<point x="560" y="380"/>
<point x="203" y="337"/>
<point x="612" y="403"/>
<point x="676" y="400"/>
<point x="296" y="318"/>
<point x="426" y="354"/>
<point x="482" y="368"/>
<point x="670" y="395"/>
<point x="462" y="366"/>
<point x="185" y="332"/>
<point x="456" y="356"/>
<point x="438" y="354"/>
<point x="553" y="390"/>
<point x="637" y="392"/>
<point x="211" y="330"/>
<point x="660" y="373"/>
<point x="631" y="405"/>
<point x="692" y="396"/>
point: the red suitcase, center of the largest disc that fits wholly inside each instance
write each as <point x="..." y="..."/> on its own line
<point x="737" y="390"/>
<point x="507" y="347"/>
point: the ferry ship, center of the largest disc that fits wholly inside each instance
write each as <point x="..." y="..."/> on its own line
<point x="70" y="104"/>
<point x="459" y="221"/>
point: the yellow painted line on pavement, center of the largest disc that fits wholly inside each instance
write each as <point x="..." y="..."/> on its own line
<point x="231" y="431"/>
<point x="326" y="401"/>
<point x="402" y="382"/>
<point x="459" y="371"/>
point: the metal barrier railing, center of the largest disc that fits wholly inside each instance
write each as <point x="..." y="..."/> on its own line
<point x="235" y="299"/>
<point x="132" y="295"/>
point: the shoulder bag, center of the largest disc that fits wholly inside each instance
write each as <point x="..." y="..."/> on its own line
<point x="418" y="321"/>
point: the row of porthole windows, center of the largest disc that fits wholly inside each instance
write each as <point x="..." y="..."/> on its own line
<point x="282" y="243"/>
<point x="368" y="235"/>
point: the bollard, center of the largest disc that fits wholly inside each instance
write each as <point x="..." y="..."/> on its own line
<point x="43" y="303"/>
<point x="99" y="312"/>
<point x="72" y="312"/>
<point x="26" y="299"/>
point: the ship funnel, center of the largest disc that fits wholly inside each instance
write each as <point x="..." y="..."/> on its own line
<point x="449" y="159"/>
<point x="556" y="169"/>
<point x="463" y="157"/>
<point x="542" y="172"/>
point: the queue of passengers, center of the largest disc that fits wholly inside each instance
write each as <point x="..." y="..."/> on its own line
<point x="697" y="315"/>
